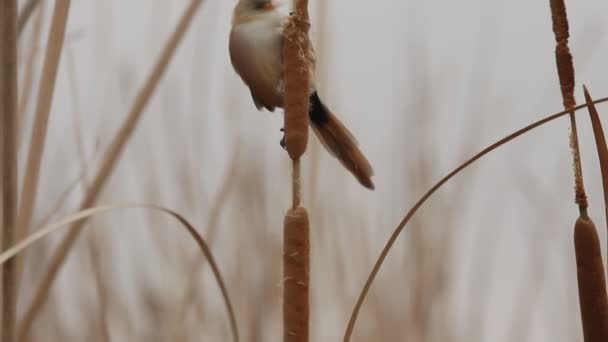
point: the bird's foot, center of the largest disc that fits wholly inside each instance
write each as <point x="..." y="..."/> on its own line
<point x="282" y="142"/>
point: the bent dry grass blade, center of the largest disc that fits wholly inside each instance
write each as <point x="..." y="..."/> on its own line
<point x="108" y="164"/>
<point x="87" y="213"/>
<point x="602" y="149"/>
<point x="391" y="241"/>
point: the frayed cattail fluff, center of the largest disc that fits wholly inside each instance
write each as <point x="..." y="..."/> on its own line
<point x="565" y="71"/>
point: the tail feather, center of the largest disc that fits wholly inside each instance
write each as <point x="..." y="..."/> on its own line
<point x="339" y="142"/>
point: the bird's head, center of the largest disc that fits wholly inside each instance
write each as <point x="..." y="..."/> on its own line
<point x="245" y="9"/>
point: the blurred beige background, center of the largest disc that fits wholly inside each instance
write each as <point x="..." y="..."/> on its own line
<point x="422" y="85"/>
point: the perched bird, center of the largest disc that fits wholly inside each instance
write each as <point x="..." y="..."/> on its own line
<point x="255" y="46"/>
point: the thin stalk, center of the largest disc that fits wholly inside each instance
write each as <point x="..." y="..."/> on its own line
<point x="109" y="162"/>
<point x="46" y="91"/>
<point x="8" y="160"/>
<point x="28" y="74"/>
<point x="26" y="13"/>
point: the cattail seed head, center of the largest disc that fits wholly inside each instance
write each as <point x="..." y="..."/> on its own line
<point x="591" y="281"/>
<point x="297" y="64"/>
<point x="296" y="261"/>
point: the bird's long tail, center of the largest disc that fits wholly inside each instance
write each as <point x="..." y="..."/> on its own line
<point x="339" y="141"/>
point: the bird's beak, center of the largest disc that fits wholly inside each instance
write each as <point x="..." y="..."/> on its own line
<point x="273" y="4"/>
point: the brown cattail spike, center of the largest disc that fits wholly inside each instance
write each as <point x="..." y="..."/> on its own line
<point x="600" y="143"/>
<point x="565" y="66"/>
<point x="296" y="275"/>
<point x="591" y="281"/>
<point x="298" y="74"/>
<point x="565" y="71"/>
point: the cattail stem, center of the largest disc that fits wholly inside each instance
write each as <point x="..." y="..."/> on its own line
<point x="591" y="281"/>
<point x="296" y="247"/>
<point x="565" y="70"/>
<point x="8" y="159"/>
<point x="296" y="184"/>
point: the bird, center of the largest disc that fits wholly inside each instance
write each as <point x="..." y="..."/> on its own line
<point x="255" y="48"/>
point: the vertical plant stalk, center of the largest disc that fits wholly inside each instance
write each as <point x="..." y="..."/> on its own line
<point x="8" y="159"/>
<point x="296" y="234"/>
<point x="46" y="90"/>
<point x="96" y="247"/>
<point x="25" y="14"/>
<point x="322" y="24"/>
<point x="591" y="281"/>
<point x="28" y="74"/>
<point x="111" y="157"/>
<point x="184" y="305"/>
<point x="602" y="148"/>
<point x="565" y="71"/>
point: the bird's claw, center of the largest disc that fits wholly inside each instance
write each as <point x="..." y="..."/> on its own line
<point x="282" y="142"/>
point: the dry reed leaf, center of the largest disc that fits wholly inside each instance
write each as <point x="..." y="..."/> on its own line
<point x="602" y="149"/>
<point x="296" y="274"/>
<point x="108" y="164"/>
<point x="87" y="213"/>
<point x="184" y="305"/>
<point x="95" y="253"/>
<point x="75" y="96"/>
<point x="296" y="45"/>
<point x="46" y="91"/>
<point x="391" y="241"/>
<point x="25" y="14"/>
<point x="591" y="281"/>
<point x="8" y="161"/>
<point x="28" y="77"/>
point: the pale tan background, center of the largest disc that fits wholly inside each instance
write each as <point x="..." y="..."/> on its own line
<point x="422" y="84"/>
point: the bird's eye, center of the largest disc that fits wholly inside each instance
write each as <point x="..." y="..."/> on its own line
<point x="266" y="5"/>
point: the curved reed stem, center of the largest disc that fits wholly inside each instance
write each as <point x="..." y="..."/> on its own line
<point x="87" y="213"/>
<point x="46" y="91"/>
<point x="109" y="162"/>
<point x="389" y="244"/>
